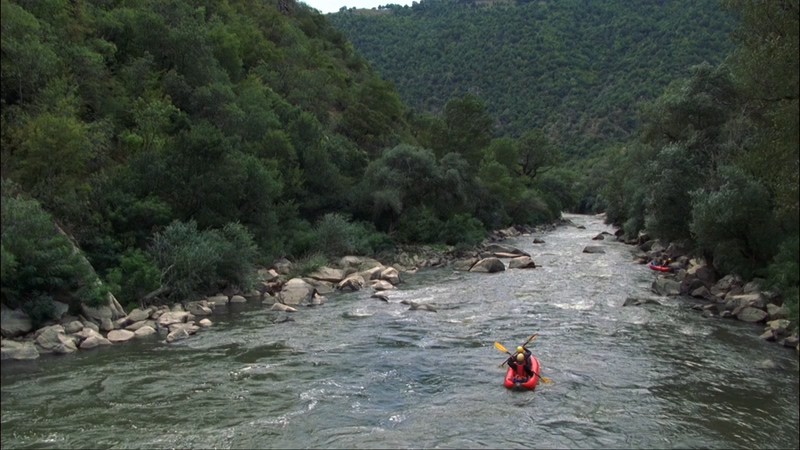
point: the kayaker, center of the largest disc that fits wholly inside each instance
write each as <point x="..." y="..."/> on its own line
<point x="521" y="360"/>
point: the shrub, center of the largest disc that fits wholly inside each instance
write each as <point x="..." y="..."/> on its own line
<point x="419" y="225"/>
<point x="38" y="261"/>
<point x="195" y="263"/>
<point x="136" y="276"/>
<point x="462" y="229"/>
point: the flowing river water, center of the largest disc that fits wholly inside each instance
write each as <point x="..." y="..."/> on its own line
<point x="361" y="373"/>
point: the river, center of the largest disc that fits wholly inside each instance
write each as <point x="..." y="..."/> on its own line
<point x="361" y="373"/>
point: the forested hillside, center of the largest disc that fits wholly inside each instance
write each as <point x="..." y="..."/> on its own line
<point x="175" y="144"/>
<point x="574" y="68"/>
<point x="161" y="149"/>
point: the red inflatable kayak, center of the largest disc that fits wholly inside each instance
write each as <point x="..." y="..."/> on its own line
<point x="653" y="266"/>
<point x="512" y="382"/>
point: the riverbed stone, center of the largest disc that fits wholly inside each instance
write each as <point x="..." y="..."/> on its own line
<point x="777" y="312"/>
<point x="329" y="274"/>
<point x="14" y="322"/>
<point x="144" y="331"/>
<point x="237" y="299"/>
<point x="751" y="315"/>
<point x="53" y="339"/>
<point x="73" y="326"/>
<point x="521" y="262"/>
<point x="19" y="351"/>
<point x="91" y="339"/>
<point x="139" y="314"/>
<point x="177" y="335"/>
<point x="172" y="317"/>
<point x="391" y="275"/>
<point x="666" y="286"/>
<point x="352" y="283"/>
<point x="282" y="307"/>
<point x="594" y="249"/>
<point x="296" y="292"/>
<point x="97" y="313"/>
<point x="205" y="323"/>
<point x="488" y="265"/>
<point x="198" y="309"/>
<point x="118" y="336"/>
<point x="382" y="285"/>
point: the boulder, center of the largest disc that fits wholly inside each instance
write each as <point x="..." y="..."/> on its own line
<point x="17" y="350"/>
<point x="295" y="292"/>
<point x="142" y="323"/>
<point x="237" y="299"/>
<point x="97" y="313"/>
<point x="144" y="331"/>
<point x="755" y="300"/>
<point x="752" y="315"/>
<point x="777" y="312"/>
<point x="14" y="322"/>
<point x="282" y="307"/>
<point x="53" y="339"/>
<point x="521" y="262"/>
<point x="594" y="249"/>
<point x="391" y="275"/>
<point x="177" y="335"/>
<point x="73" y="326"/>
<point x="382" y="285"/>
<point x="358" y="262"/>
<point x="139" y="314"/>
<point x="328" y="274"/>
<point x="198" y="309"/>
<point x="488" y="265"/>
<point x="92" y="339"/>
<point x="205" y="323"/>
<point x="464" y="264"/>
<point x="504" y="249"/>
<point x="666" y="286"/>
<point x="217" y="300"/>
<point x="172" y="317"/>
<point x="117" y="336"/>
<point x="351" y="283"/>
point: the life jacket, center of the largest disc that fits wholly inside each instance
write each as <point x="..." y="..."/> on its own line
<point x="519" y="371"/>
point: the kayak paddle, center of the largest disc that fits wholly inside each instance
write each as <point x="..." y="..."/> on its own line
<point x="500" y="347"/>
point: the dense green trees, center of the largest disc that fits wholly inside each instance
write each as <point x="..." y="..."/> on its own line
<point x="574" y="69"/>
<point x="716" y="165"/>
<point x="180" y="143"/>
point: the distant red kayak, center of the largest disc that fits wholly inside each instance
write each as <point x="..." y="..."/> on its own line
<point x="653" y="266"/>
<point x="512" y="382"/>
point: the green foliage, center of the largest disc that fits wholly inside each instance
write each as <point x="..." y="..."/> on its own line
<point x="40" y="308"/>
<point x="462" y="230"/>
<point x="783" y="273"/>
<point x="195" y="263"/>
<point x="735" y="220"/>
<point x="307" y="264"/>
<point x="419" y="225"/>
<point x="41" y="261"/>
<point x="573" y="68"/>
<point x="135" y="277"/>
<point x="336" y="234"/>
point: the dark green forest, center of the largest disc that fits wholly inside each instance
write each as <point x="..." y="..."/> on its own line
<point x="574" y="69"/>
<point x="162" y="150"/>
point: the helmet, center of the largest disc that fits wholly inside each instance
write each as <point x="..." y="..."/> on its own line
<point x="520" y="357"/>
<point x="520" y="349"/>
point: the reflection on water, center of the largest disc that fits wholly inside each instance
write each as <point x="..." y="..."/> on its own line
<point x="363" y="373"/>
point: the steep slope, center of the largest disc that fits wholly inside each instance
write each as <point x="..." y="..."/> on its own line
<point x="575" y="68"/>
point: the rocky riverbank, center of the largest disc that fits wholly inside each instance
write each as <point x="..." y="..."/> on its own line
<point x="728" y="297"/>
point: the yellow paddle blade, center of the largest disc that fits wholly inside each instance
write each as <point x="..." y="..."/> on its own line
<point x="545" y="380"/>
<point x="500" y="347"/>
